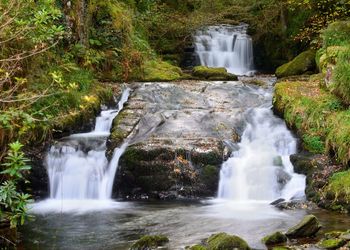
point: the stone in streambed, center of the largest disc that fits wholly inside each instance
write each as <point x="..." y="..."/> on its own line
<point x="223" y="241"/>
<point x="274" y="239"/>
<point x="150" y="242"/>
<point x="308" y="227"/>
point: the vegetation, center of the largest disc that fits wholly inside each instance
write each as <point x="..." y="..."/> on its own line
<point x="13" y="202"/>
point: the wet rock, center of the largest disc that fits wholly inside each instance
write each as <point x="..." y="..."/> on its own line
<point x="308" y="227"/>
<point x="215" y="74"/>
<point x="294" y="204"/>
<point x="299" y="65"/>
<point x="175" y="133"/>
<point x="305" y="163"/>
<point x="223" y="241"/>
<point x="149" y="242"/>
<point x="275" y="239"/>
<point x="278" y="201"/>
<point x="277" y="161"/>
<point x="331" y="243"/>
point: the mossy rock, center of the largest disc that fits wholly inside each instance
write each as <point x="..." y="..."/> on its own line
<point x="308" y="227"/>
<point x="223" y="241"/>
<point x="331" y="243"/>
<point x="332" y="234"/>
<point x="299" y="65"/>
<point x="213" y="74"/>
<point x="150" y="242"/>
<point x="160" y="71"/>
<point x="275" y="239"/>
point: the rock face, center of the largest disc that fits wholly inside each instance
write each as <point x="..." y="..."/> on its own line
<point x="223" y="241"/>
<point x="299" y="65"/>
<point x="308" y="227"/>
<point x="179" y="134"/>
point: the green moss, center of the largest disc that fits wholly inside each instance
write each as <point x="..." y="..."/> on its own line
<point x="338" y="187"/>
<point x="215" y="74"/>
<point x="156" y="71"/>
<point x="307" y="227"/>
<point x="299" y="65"/>
<point x="319" y="117"/>
<point x="336" y="34"/>
<point x="281" y="248"/>
<point x="331" y="243"/>
<point x="223" y="241"/>
<point x="150" y="242"/>
<point x="210" y="176"/>
<point x="274" y="239"/>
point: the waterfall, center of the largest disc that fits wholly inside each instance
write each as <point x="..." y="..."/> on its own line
<point x="226" y="46"/>
<point x="77" y="166"/>
<point x="261" y="169"/>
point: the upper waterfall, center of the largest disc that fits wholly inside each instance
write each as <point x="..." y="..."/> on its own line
<point x="226" y="46"/>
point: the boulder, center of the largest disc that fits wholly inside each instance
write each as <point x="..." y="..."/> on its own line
<point x="275" y="239"/>
<point x="214" y="74"/>
<point x="308" y="227"/>
<point x="223" y="241"/>
<point x="149" y="242"/>
<point x="299" y="65"/>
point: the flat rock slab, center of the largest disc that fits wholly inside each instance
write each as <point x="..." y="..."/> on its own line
<point x="195" y="121"/>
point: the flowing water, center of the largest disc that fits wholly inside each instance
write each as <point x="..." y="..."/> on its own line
<point x="78" y="170"/>
<point x="261" y="170"/>
<point x="226" y="46"/>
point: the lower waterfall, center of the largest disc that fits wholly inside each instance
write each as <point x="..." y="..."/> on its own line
<point x="261" y="170"/>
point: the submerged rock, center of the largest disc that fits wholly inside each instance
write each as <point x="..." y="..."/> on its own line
<point x="299" y="65"/>
<point x="148" y="242"/>
<point x="215" y="74"/>
<point x="275" y="239"/>
<point x="223" y="241"/>
<point x="308" y="227"/>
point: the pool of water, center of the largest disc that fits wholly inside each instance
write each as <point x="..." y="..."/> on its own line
<point x="185" y="223"/>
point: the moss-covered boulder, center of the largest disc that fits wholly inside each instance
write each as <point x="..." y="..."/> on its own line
<point x="331" y="243"/>
<point x="149" y="242"/>
<point x="160" y="71"/>
<point x="299" y="65"/>
<point x="275" y="239"/>
<point x="308" y="227"/>
<point x="223" y="241"/>
<point x="213" y="74"/>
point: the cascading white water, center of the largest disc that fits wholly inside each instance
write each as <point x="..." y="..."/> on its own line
<point x="226" y="46"/>
<point x="261" y="169"/>
<point x="78" y="168"/>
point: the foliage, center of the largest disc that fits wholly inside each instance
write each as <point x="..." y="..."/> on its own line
<point x="319" y="117"/>
<point x="13" y="203"/>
